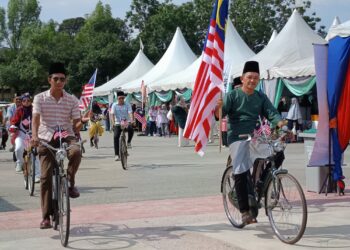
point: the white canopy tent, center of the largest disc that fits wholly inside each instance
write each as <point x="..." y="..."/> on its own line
<point x="138" y="67"/>
<point x="236" y="52"/>
<point x="177" y="57"/>
<point x="342" y="30"/>
<point x="273" y="36"/>
<point x="291" y="52"/>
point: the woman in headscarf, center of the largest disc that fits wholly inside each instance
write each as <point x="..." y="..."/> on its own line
<point x="21" y="125"/>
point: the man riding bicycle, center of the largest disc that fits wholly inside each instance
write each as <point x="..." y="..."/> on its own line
<point x="121" y="112"/>
<point x="243" y="106"/>
<point x="56" y="115"/>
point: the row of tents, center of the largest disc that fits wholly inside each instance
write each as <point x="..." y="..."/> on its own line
<point x="286" y="61"/>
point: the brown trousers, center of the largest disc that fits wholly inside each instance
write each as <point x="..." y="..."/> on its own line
<point x="47" y="161"/>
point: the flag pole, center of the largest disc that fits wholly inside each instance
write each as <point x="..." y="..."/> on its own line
<point x="220" y="125"/>
<point x="92" y="97"/>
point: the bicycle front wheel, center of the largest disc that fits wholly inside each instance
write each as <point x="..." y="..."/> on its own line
<point x="26" y="172"/>
<point x="286" y="208"/>
<point x="229" y="198"/>
<point x="31" y="174"/>
<point x="123" y="152"/>
<point x="64" y="212"/>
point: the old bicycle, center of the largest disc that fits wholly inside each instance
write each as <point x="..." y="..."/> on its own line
<point x="60" y="192"/>
<point x="272" y="188"/>
<point x="123" y="148"/>
<point x="30" y="159"/>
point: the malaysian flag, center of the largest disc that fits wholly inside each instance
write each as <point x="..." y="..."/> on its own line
<point x="209" y="80"/>
<point x="86" y="95"/>
<point x="141" y="119"/>
<point x="60" y="134"/>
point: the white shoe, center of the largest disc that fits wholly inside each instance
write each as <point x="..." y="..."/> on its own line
<point x="116" y="158"/>
<point x="37" y="179"/>
<point x="19" y="168"/>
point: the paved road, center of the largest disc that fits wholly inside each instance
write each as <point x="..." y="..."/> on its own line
<point x="168" y="199"/>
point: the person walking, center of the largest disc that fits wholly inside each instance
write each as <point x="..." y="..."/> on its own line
<point x="179" y="112"/>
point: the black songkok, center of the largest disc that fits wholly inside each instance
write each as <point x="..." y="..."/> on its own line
<point x="251" y="66"/>
<point x="57" y="68"/>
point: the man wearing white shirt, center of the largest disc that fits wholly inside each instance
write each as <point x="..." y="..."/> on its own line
<point x="121" y="112"/>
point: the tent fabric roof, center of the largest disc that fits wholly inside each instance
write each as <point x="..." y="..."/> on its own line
<point x="293" y="45"/>
<point x="177" y="57"/>
<point x="342" y="30"/>
<point x="273" y="36"/>
<point x="138" y="67"/>
<point x="236" y="52"/>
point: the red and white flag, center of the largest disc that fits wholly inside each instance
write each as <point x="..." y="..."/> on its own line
<point x="209" y="80"/>
<point x="62" y="134"/>
<point x="87" y="94"/>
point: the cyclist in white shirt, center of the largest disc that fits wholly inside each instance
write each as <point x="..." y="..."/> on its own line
<point x="120" y="112"/>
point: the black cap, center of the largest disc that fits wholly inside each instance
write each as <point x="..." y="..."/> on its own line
<point x="236" y="81"/>
<point x="120" y="93"/>
<point x="57" y="68"/>
<point x="251" y="66"/>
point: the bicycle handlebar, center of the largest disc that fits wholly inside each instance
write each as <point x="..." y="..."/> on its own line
<point x="64" y="145"/>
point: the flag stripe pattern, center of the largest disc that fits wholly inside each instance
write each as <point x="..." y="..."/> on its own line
<point x="62" y="134"/>
<point x="87" y="94"/>
<point x="209" y="80"/>
<point x="142" y="120"/>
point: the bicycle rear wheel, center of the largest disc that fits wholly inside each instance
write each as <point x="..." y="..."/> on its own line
<point x="123" y="151"/>
<point x="64" y="212"/>
<point x="229" y="198"/>
<point x="31" y="173"/>
<point x="286" y="208"/>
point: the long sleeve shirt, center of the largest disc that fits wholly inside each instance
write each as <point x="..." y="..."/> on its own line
<point x="243" y="112"/>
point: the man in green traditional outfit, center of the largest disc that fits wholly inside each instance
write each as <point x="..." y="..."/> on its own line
<point x="243" y="106"/>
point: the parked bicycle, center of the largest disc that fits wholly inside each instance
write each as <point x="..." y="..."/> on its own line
<point x="123" y="148"/>
<point x="60" y="192"/>
<point x="271" y="188"/>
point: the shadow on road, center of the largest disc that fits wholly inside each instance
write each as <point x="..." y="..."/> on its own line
<point x="5" y="206"/>
<point x="108" y="236"/>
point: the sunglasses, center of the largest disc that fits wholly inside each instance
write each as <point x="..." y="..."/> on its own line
<point x="26" y="100"/>
<point x="56" y="79"/>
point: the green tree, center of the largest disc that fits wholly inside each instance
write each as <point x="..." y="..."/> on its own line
<point x="158" y="29"/>
<point x="40" y="46"/>
<point x="20" y="14"/>
<point x="101" y="43"/>
<point x="72" y="25"/>
<point x="255" y="20"/>
<point x="140" y="11"/>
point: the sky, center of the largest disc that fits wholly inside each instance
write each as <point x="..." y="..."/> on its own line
<point x="59" y="10"/>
